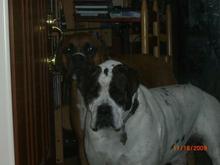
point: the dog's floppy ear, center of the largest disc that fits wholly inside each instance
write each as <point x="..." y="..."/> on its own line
<point x="129" y="81"/>
<point x="87" y="76"/>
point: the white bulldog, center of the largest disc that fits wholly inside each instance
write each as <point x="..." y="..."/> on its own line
<point x="127" y="124"/>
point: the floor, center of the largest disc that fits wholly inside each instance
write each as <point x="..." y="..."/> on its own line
<point x="71" y="161"/>
<point x="202" y="159"/>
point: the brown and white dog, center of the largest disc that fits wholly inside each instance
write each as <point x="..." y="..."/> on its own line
<point x="128" y="124"/>
<point x="76" y="52"/>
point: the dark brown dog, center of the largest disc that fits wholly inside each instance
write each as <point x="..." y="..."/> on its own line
<point x="76" y="52"/>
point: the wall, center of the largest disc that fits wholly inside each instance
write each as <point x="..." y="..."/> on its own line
<point x="197" y="25"/>
<point x="6" y="126"/>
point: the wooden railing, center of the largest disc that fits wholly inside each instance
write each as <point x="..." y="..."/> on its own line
<point x="156" y="35"/>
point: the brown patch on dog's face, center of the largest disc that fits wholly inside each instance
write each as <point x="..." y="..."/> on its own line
<point x="79" y="40"/>
<point x="79" y="50"/>
<point x="84" y="43"/>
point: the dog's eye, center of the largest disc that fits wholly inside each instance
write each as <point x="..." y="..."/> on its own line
<point x="69" y="50"/>
<point x="89" y="49"/>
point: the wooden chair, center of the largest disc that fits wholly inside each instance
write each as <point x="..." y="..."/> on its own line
<point x="157" y="35"/>
<point x="161" y="67"/>
<point x="154" y="69"/>
<point x="157" y="70"/>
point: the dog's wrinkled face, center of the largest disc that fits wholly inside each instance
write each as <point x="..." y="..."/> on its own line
<point x="108" y="91"/>
<point x="77" y="51"/>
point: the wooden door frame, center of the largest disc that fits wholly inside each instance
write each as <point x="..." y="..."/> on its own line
<point x="6" y="122"/>
<point x="30" y="83"/>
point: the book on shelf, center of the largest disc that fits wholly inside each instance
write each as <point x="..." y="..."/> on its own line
<point x="92" y="16"/>
<point x="93" y="2"/>
<point x="91" y="13"/>
<point x="125" y="14"/>
<point x="92" y="8"/>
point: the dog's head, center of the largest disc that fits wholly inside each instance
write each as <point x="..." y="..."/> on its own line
<point x="77" y="51"/>
<point x="108" y="90"/>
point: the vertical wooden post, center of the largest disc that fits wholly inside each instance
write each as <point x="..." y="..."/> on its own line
<point x="69" y="12"/>
<point x="169" y="30"/>
<point x="156" y="29"/>
<point x="144" y="28"/>
<point x="57" y="79"/>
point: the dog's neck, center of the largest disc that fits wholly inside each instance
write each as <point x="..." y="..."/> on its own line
<point x="134" y="107"/>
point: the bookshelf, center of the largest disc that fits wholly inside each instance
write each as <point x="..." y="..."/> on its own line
<point x="120" y="18"/>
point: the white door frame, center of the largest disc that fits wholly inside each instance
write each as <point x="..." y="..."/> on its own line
<point x="6" y="122"/>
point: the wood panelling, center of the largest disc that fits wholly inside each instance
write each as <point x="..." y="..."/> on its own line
<point x="32" y="111"/>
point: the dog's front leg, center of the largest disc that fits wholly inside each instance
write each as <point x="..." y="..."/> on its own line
<point x="180" y="160"/>
<point x="148" y="159"/>
<point x="76" y="125"/>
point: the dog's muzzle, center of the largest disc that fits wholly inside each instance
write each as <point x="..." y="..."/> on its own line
<point x="104" y="117"/>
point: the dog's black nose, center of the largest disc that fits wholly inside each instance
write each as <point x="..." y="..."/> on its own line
<point x="104" y="116"/>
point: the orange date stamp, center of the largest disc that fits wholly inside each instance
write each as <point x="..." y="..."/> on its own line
<point x="190" y="148"/>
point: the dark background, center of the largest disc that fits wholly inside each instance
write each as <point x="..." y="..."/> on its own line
<point x="196" y="27"/>
<point x="197" y="50"/>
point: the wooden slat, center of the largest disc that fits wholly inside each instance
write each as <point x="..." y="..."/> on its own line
<point x="47" y="112"/>
<point x="144" y="28"/>
<point x="156" y="36"/>
<point x="28" y="71"/>
<point x="37" y="16"/>
<point x="59" y="136"/>
<point x="156" y="29"/>
<point x="169" y="30"/>
<point x="42" y="84"/>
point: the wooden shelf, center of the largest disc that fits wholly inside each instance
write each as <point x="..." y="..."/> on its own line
<point x="109" y="20"/>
